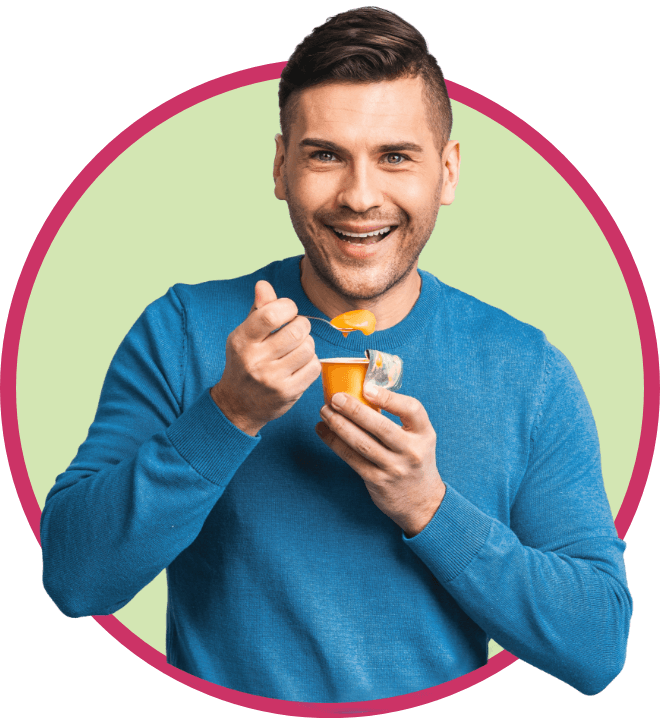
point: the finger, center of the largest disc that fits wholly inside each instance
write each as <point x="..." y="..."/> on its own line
<point x="384" y="429"/>
<point x="298" y="357"/>
<point x="263" y="294"/>
<point x="411" y="411"/>
<point x="362" y="466"/>
<point x="307" y="374"/>
<point x="263" y="321"/>
<point x="357" y="439"/>
<point x="259" y="295"/>
<point x="288" y="338"/>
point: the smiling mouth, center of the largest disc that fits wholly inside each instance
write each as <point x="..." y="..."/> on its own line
<point x="365" y="238"/>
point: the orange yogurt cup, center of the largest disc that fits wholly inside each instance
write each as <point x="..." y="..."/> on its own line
<point x="344" y="374"/>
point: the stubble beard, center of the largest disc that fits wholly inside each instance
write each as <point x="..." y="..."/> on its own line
<point x="355" y="285"/>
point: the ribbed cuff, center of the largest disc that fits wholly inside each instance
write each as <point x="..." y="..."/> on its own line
<point x="209" y="442"/>
<point x="452" y="538"/>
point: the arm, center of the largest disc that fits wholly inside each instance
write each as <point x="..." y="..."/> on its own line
<point x="145" y="479"/>
<point x="551" y="589"/>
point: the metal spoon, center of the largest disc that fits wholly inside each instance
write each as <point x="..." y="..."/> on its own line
<point x="343" y="331"/>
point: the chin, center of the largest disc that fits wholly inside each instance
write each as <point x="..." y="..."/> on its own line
<point x="358" y="284"/>
<point x="358" y="281"/>
<point x="358" y="291"/>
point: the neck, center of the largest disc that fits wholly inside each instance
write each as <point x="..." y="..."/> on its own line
<point x="389" y="308"/>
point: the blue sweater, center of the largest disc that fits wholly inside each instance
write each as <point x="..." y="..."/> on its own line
<point x="284" y="579"/>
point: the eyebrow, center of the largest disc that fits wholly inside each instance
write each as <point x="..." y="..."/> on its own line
<point x="389" y="147"/>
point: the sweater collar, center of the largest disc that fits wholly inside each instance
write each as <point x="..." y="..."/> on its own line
<point x="287" y="279"/>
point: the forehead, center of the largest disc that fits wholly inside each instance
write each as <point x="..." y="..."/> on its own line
<point x="349" y="113"/>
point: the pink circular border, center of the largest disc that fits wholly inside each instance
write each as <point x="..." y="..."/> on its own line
<point x="140" y="128"/>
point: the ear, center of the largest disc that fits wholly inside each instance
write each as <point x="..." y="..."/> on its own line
<point x="278" y="167"/>
<point x="451" y="165"/>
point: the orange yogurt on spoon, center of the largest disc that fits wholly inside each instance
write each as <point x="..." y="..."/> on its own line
<point x="360" y="319"/>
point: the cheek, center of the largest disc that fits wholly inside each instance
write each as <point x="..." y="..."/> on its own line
<point x="408" y="195"/>
<point x="313" y="191"/>
<point x="418" y="197"/>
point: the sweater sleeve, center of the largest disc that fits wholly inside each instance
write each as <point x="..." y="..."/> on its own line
<point x="551" y="588"/>
<point x="145" y="479"/>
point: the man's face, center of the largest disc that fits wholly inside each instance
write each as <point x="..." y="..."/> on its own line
<point x="362" y="158"/>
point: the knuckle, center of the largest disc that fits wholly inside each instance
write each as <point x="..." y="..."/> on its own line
<point x="270" y="316"/>
<point x="332" y="420"/>
<point x="281" y="394"/>
<point x="295" y="331"/>
<point x="250" y="369"/>
<point x="383" y="427"/>
<point x="305" y="327"/>
<point x="298" y="331"/>
<point x="362" y="447"/>
<point x="286" y="309"/>
<point x="355" y="409"/>
<point x="290" y="304"/>
<point x="307" y="353"/>
<point x="338" y="421"/>
<point x="305" y="324"/>
<point x="416" y="458"/>
<point x="421" y="411"/>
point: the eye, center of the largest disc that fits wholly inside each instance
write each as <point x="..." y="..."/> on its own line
<point x="393" y="158"/>
<point x="324" y="156"/>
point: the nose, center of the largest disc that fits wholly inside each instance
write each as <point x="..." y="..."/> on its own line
<point x="360" y="190"/>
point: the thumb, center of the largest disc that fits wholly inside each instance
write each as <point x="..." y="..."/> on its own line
<point x="263" y="294"/>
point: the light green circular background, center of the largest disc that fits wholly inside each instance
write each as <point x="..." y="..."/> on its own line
<point x="193" y="201"/>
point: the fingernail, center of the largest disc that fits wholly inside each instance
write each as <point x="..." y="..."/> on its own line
<point x="339" y="399"/>
<point x="321" y="429"/>
<point x="370" y="391"/>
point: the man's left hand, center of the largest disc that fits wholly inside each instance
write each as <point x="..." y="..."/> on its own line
<point x="397" y="463"/>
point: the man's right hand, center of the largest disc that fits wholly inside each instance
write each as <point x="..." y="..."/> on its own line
<point x="265" y="372"/>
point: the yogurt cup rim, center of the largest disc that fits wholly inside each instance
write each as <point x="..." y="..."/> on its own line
<point x="345" y="360"/>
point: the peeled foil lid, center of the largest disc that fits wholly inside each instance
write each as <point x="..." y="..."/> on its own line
<point x="385" y="370"/>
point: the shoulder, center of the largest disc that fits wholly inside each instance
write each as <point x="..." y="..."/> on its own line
<point x="473" y="322"/>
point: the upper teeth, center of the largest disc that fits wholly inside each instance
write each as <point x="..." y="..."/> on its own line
<point x="363" y="234"/>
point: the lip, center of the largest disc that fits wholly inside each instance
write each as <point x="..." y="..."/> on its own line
<point x="363" y="229"/>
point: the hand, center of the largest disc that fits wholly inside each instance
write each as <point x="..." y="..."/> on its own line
<point x="265" y="372"/>
<point x="397" y="463"/>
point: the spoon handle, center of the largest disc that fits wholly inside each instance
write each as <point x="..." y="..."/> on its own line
<point x="348" y="329"/>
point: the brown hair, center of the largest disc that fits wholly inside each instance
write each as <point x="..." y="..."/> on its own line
<point x="364" y="45"/>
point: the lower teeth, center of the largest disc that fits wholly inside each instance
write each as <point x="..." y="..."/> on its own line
<point x="362" y="241"/>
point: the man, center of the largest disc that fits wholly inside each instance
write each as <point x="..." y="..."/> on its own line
<point x="379" y="560"/>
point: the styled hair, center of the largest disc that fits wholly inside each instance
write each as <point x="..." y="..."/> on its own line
<point x="360" y="46"/>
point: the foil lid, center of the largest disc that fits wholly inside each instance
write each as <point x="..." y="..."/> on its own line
<point x="384" y="370"/>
